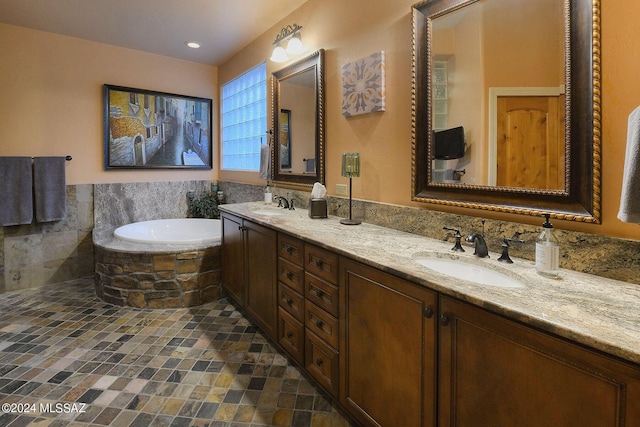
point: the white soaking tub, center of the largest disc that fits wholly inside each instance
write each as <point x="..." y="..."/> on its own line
<point x="197" y="231"/>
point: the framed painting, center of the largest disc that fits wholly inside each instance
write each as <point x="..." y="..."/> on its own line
<point x="145" y="129"/>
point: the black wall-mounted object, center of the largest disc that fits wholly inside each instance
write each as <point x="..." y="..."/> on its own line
<point x="449" y="144"/>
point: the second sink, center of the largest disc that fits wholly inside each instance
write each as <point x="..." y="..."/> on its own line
<point x="470" y="272"/>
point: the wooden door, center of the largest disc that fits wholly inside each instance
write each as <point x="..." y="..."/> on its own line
<point x="261" y="274"/>
<point x="387" y="353"/>
<point x="233" y="258"/>
<point x="531" y="142"/>
<point x="499" y="373"/>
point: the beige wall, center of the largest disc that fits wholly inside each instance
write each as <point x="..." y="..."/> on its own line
<point x="51" y="101"/>
<point x="352" y="29"/>
<point x="52" y="104"/>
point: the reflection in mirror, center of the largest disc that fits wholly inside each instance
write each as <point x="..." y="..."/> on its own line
<point x="298" y="112"/>
<point x="506" y="111"/>
<point x="477" y="57"/>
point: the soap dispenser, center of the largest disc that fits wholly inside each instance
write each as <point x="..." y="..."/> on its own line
<point x="547" y="251"/>
<point x="268" y="196"/>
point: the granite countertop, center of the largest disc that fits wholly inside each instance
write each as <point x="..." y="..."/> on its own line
<point x="601" y="313"/>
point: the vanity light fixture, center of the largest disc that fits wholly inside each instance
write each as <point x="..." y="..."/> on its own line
<point x="350" y="168"/>
<point x="192" y="44"/>
<point x="294" y="46"/>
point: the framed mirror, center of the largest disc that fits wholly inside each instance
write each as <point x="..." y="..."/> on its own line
<point x="298" y="121"/>
<point x="506" y="106"/>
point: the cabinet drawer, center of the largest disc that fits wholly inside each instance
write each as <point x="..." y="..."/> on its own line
<point x="322" y="294"/>
<point x="322" y="362"/>
<point x="291" y="249"/>
<point x="322" y="324"/>
<point x="291" y="301"/>
<point x="321" y="263"/>
<point x="291" y="275"/>
<point x="291" y="335"/>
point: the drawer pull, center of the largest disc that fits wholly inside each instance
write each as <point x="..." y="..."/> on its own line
<point x="444" y="319"/>
<point x="289" y="302"/>
<point x="289" y="334"/>
<point x="319" y="323"/>
<point x="289" y="275"/>
<point x="319" y="293"/>
<point x="428" y="312"/>
<point x="318" y="263"/>
<point x="319" y="362"/>
<point x="289" y="249"/>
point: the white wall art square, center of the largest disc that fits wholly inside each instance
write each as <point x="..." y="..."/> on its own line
<point x="363" y="85"/>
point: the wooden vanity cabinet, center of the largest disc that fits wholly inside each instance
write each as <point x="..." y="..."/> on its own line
<point x="387" y="352"/>
<point x="249" y="276"/>
<point x="232" y="253"/>
<point x="497" y="372"/>
<point x="395" y="353"/>
<point x="291" y="334"/>
<point x="321" y="323"/>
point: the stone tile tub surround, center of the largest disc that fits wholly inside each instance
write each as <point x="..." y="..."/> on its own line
<point x="123" y="203"/>
<point x="597" y="312"/>
<point x="172" y="276"/>
<point x="602" y="256"/>
<point x="146" y="275"/>
<point x="48" y="253"/>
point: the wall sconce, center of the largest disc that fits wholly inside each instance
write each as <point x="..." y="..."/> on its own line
<point x="350" y="168"/>
<point x="294" y="46"/>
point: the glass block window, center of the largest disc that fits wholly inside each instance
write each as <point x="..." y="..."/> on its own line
<point x="440" y="96"/>
<point x="244" y="119"/>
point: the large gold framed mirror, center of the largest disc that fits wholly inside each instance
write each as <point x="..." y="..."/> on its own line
<point x="506" y="106"/>
<point x="298" y="123"/>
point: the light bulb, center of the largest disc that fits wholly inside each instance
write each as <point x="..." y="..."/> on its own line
<point x="279" y="54"/>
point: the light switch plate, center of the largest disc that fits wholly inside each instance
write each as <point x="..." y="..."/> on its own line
<point x="341" y="189"/>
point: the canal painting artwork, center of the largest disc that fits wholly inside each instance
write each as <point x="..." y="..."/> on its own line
<point x="145" y="129"/>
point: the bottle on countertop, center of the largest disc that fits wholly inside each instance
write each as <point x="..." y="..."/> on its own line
<point x="268" y="196"/>
<point x="547" y="251"/>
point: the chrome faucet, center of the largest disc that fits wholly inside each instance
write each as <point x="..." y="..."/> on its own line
<point x="480" y="244"/>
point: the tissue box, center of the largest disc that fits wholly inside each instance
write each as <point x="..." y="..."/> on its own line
<point x="317" y="208"/>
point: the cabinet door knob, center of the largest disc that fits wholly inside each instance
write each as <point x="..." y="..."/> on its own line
<point x="444" y="319"/>
<point x="319" y="323"/>
<point x="319" y="362"/>
<point x="289" y="334"/>
<point x="428" y="312"/>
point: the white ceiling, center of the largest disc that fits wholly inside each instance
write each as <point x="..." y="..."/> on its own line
<point x="223" y="27"/>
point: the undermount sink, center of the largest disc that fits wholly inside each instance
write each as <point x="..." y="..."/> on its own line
<point x="470" y="272"/>
<point x="267" y="212"/>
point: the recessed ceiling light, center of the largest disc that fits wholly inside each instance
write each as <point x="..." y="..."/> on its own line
<point x="193" y="45"/>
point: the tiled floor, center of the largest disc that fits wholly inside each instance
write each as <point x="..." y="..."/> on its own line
<point x="69" y="359"/>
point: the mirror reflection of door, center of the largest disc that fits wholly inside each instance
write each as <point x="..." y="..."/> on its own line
<point x="531" y="142"/>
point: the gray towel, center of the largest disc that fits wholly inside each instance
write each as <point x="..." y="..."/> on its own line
<point x="49" y="188"/>
<point x="16" y="194"/>
<point x="630" y="197"/>
<point x="265" y="162"/>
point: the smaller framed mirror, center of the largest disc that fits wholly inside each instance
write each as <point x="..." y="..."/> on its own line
<point x="298" y="123"/>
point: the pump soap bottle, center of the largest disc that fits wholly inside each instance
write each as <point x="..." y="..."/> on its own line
<point x="268" y="196"/>
<point x="547" y="251"/>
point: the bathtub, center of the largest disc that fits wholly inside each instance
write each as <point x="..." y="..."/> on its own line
<point x="172" y="231"/>
<point x="168" y="263"/>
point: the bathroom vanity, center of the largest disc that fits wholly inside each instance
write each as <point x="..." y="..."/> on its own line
<point x="400" y="344"/>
